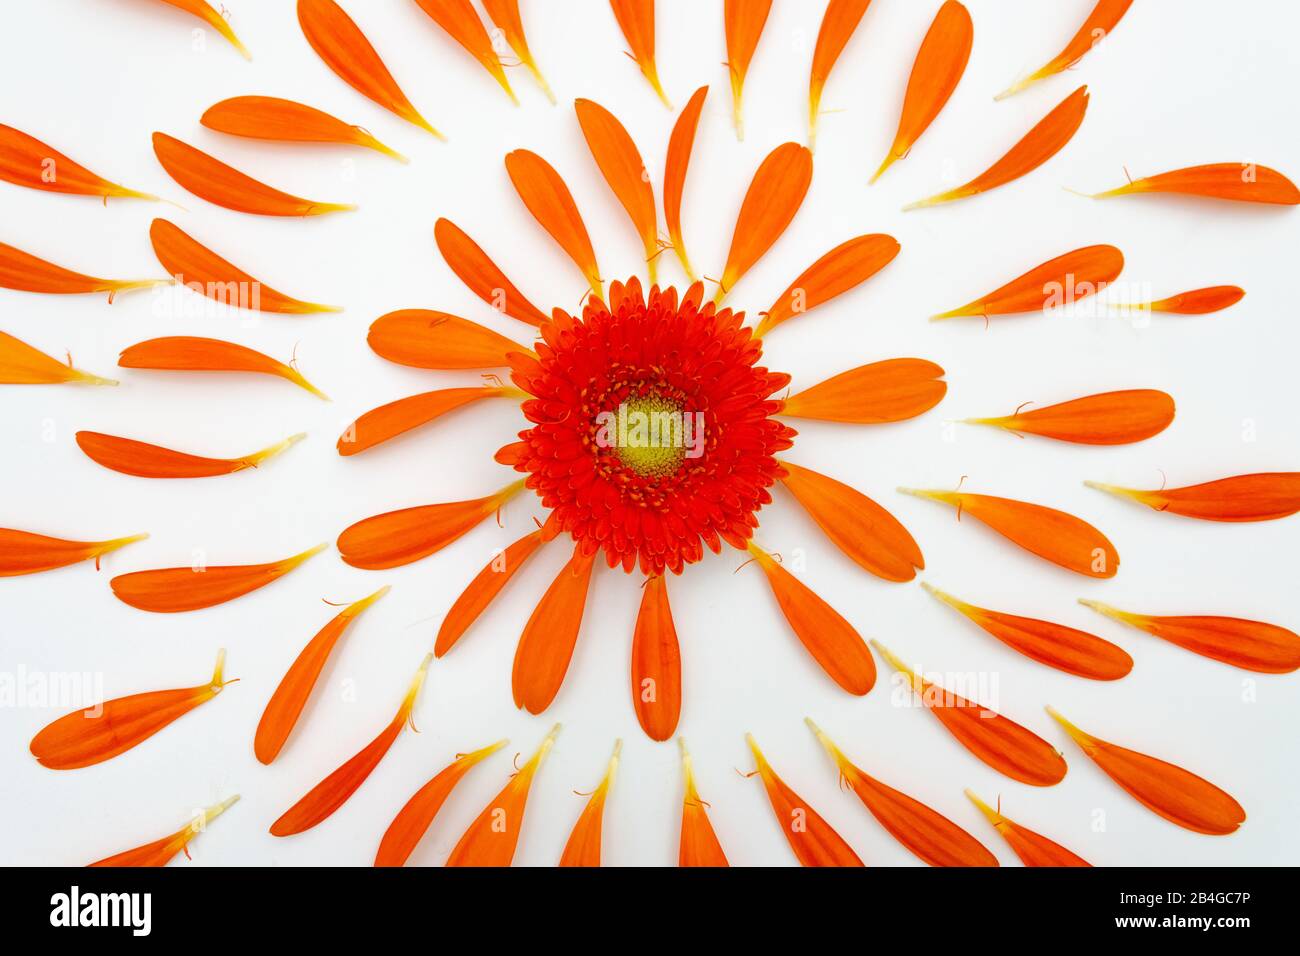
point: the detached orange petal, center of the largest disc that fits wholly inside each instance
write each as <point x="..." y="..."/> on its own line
<point x="481" y="275"/>
<point x="775" y="195"/>
<point x="461" y="23"/>
<point x="1237" y="182"/>
<point x="1261" y="497"/>
<point x="25" y="552"/>
<point x="583" y="847"/>
<point x="161" y="852"/>
<point x="486" y="585"/>
<point x="143" y="460"/>
<point x="1034" y="849"/>
<point x="1112" y="418"/>
<point x="20" y="364"/>
<point x="24" y="272"/>
<point x="680" y="144"/>
<point x="185" y="353"/>
<point x="505" y="14"/>
<point x="396" y="418"/>
<point x="1105" y="15"/>
<point x="656" y="663"/>
<point x="552" y="205"/>
<point x="1060" y="281"/>
<point x="212" y="18"/>
<point x="699" y="845"/>
<point x="1197" y="302"/>
<point x="421" y="338"/>
<point x="843" y="268"/>
<point x="636" y="18"/>
<point x="841" y="19"/>
<point x="170" y="590"/>
<point x="26" y="161"/>
<point x="744" y="21"/>
<point x="547" y="642"/>
<point x="890" y="391"/>
<point x="286" y="121"/>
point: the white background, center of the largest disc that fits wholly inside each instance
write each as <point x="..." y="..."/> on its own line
<point x="1179" y="83"/>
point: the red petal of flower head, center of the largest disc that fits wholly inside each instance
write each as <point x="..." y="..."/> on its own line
<point x="1105" y="15"/>
<point x="25" y="552"/>
<point x="1177" y="795"/>
<point x="552" y="205"/>
<point x="1034" y="849"/>
<point x="547" y="642"/>
<point x="493" y="836"/>
<point x="699" y="845"/>
<point x="1197" y="302"/>
<point x="890" y="391"/>
<point x="814" y="841"/>
<point x="1052" y="535"/>
<point x="656" y="663"/>
<point x="26" y="161"/>
<point x="420" y="338"/>
<point x="1261" y="497"/>
<point x="20" y="364"/>
<point x="483" y="589"/>
<point x="285" y="121"/>
<point x="332" y="792"/>
<point x="481" y="275"/>
<point x="143" y="460"/>
<point x="414" y="819"/>
<point x="87" y="737"/>
<point x="161" y="852"/>
<point x="1238" y="182"/>
<point x="505" y="14"/>
<point x="831" y="640"/>
<point x="217" y="21"/>
<point x="583" y="848"/>
<point x="846" y="266"/>
<point x="744" y="21"/>
<point x="840" y="20"/>
<point x="1113" y="418"/>
<point x="458" y="19"/>
<point x="1252" y="645"/>
<point x="636" y="18"/>
<point x="24" y="272"/>
<point x="680" y="145"/>
<point x="170" y="590"/>
<point x="1038" y="146"/>
<point x="397" y="418"/>
<point x="934" y="838"/>
<point x="1003" y="744"/>
<point x="1060" y="281"/>
<point x="186" y="353"/>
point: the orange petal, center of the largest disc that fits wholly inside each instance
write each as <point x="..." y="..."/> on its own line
<point x="505" y="14"/>
<point x="87" y="737"/>
<point x="856" y="525"/>
<point x="486" y="585"/>
<point x="334" y="791"/>
<point x="212" y="18"/>
<point x="831" y="640"/>
<point x="1112" y="418"/>
<point x="656" y="663"/>
<point x="185" y="353"/>
<point x="1060" y="281"/>
<point x="398" y="538"/>
<point x="1261" y="497"/>
<point x="1198" y="301"/>
<point x="552" y="205"/>
<point x="938" y="69"/>
<point x="699" y="844"/>
<point x="414" y="819"/>
<point x="1065" y="648"/>
<point x="621" y="165"/>
<point x="841" y="19"/>
<point x="24" y="552"/>
<point x="546" y="645"/>
<point x="814" y="841"/>
<point x="169" y="590"/>
<point x="26" y="273"/>
<point x="636" y="18"/>
<point x="209" y="178"/>
<point x="340" y="43"/>
<point x="1172" y="792"/>
<point x="1252" y="645"/>
<point x="583" y="847"/>
<point x="26" y="161"/>
<point x="20" y="364"/>
<point x="744" y="21"/>
<point x="846" y="266"/>
<point x="437" y="340"/>
<point x="890" y="391"/>
<point x="1238" y="182"/>
<point x="1052" y="535"/>
<point x="1105" y="15"/>
<point x="143" y="460"/>
<point x="492" y="837"/>
<point x="934" y="838"/>
<point x="161" y="852"/>
<point x="481" y="275"/>
<point x="285" y="121"/>
<point x="1003" y="744"/>
<point x="458" y="19"/>
<point x="290" y="696"/>
<point x="775" y="195"/>
<point x="396" y="418"/>
<point x="680" y="145"/>
<point x="1034" y="849"/>
<point x="1038" y="146"/>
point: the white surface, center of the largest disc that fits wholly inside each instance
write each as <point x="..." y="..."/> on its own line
<point x="1179" y="83"/>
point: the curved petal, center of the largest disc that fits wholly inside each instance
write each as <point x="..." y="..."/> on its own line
<point x="890" y="391"/>
<point x="552" y="205"/>
<point x="172" y="590"/>
<point x="397" y="418"/>
<point x="25" y="552"/>
<point x="843" y="268"/>
<point x="286" y="121"/>
<point x="636" y="18"/>
<point x="161" y="852"/>
<point x="20" y="364"/>
<point x="547" y="642"/>
<point x="185" y="353"/>
<point x="1236" y="182"/>
<point x="838" y="24"/>
<point x="775" y="194"/>
<point x="1112" y="418"/>
<point x="461" y="23"/>
<point x="699" y="845"/>
<point x="505" y="14"/>
<point x="1260" y="497"/>
<point x="1034" y="849"/>
<point x="583" y="846"/>
<point x="421" y="338"/>
<point x="26" y="161"/>
<point x="680" y="144"/>
<point x="1066" y="279"/>
<point x="205" y="12"/>
<point x="625" y="172"/>
<point x="743" y="21"/>
<point x="813" y="840"/>
<point x="481" y="275"/>
<point x="487" y="584"/>
<point x="1104" y="17"/>
<point x="26" y="273"/>
<point x="143" y="460"/>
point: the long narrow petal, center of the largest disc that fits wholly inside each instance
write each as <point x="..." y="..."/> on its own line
<point x="291" y="695"/>
<point x="1251" y="645"/>
<point x="26" y="161"/>
<point x="339" y="42"/>
<point x="20" y="364"/>
<point x="934" y="838"/>
<point x="856" y="525"/>
<point x="170" y="590"/>
<point x="131" y="457"/>
<point x="1112" y="418"/>
<point x="1052" y="535"/>
<point x="680" y="145"/>
<point x="161" y="852"/>
<point x="505" y="14"/>
<point x="890" y="391"/>
<point x="487" y="584"/>
<point x="699" y="845"/>
<point x="1065" y="648"/>
<point x="656" y="663"/>
<point x="832" y="641"/>
<point x="461" y="22"/>
<point x="583" y="846"/>
<point x="1105" y="15"/>
<point x="286" y="121"/>
<point x="1034" y="849"/>
<point x="1237" y="182"/>
<point x="396" y="418"/>
<point x="1003" y="744"/>
<point x="939" y="66"/>
<point x="398" y="538"/>
<point x="1064" y="280"/>
<point x="90" y="736"/>
<point x="186" y="353"/>
<point x="421" y="338"/>
<point x="1176" y="794"/>
<point x="205" y="12"/>
<point x="813" y="840"/>
<point x="552" y="205"/>
<point x="636" y="18"/>
<point x="26" y="273"/>
<point x="493" y="836"/>
<point x="481" y="275"/>
<point x="743" y="21"/>
<point x="1038" y="146"/>
<point x="25" y="552"/>
<point x="415" y="817"/>
<point x="775" y="194"/>
<point x="332" y="792"/>
<point x="1196" y="302"/>
<point x="1260" y="497"/>
<point x="547" y="642"/>
<point x="845" y="267"/>
<point x="621" y="164"/>
<point x="840" y="20"/>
